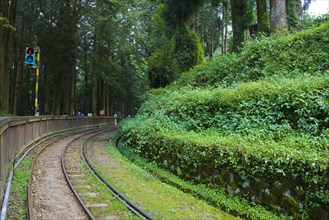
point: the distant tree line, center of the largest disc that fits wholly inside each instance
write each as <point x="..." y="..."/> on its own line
<point x="104" y="54"/>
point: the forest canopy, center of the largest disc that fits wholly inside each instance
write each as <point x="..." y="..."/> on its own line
<point x="105" y="54"/>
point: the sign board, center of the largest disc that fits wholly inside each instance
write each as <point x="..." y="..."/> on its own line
<point x="101" y="112"/>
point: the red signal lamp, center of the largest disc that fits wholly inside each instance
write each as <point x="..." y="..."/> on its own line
<point x="30" y="50"/>
<point x="30" y="57"/>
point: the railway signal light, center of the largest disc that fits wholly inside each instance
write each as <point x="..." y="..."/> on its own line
<point x="30" y="57"/>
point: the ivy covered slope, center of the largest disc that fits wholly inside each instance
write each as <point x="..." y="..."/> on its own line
<point x="255" y="124"/>
<point x="304" y="53"/>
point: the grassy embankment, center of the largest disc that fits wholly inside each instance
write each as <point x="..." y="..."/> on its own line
<point x="255" y="124"/>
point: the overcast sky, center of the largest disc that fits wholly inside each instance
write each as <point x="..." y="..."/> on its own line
<point x="319" y="7"/>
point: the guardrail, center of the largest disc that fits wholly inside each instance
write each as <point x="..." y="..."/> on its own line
<point x="16" y="133"/>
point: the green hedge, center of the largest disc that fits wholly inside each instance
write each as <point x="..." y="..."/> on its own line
<point x="261" y="117"/>
<point x="272" y="133"/>
<point x="274" y="109"/>
<point x="215" y="196"/>
<point x="303" y="53"/>
<point x="200" y="156"/>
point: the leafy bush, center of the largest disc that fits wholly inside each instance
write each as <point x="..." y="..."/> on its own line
<point x="275" y="108"/>
<point x="215" y="196"/>
<point x="4" y="113"/>
<point x="304" y="53"/>
<point x="188" y="49"/>
<point x="262" y="115"/>
<point x="198" y="156"/>
<point x="310" y="22"/>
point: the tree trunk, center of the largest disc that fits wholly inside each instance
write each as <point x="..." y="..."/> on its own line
<point x="8" y="11"/>
<point x="107" y="108"/>
<point x="47" y="84"/>
<point x="85" y="98"/>
<point x="94" y="79"/>
<point x="19" y="69"/>
<point x="225" y="40"/>
<point x="212" y="45"/>
<point x="16" y="87"/>
<point x="294" y="10"/>
<point x="278" y="15"/>
<point x="10" y="45"/>
<point x="262" y="16"/>
<point x="56" y="98"/>
<point x="103" y="105"/>
<point x="237" y="23"/>
<point x="3" y="41"/>
<point x="123" y="109"/>
<point x="72" y="93"/>
<point x="224" y="36"/>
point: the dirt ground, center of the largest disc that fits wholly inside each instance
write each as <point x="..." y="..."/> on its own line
<point x="52" y="197"/>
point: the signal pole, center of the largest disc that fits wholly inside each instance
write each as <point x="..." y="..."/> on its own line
<point x="36" y="104"/>
<point x="32" y="60"/>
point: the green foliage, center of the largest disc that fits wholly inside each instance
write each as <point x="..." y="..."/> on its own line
<point x="6" y="24"/>
<point x="249" y="17"/>
<point x="304" y="53"/>
<point x="4" y="113"/>
<point x="275" y="108"/>
<point x="249" y="157"/>
<point x="18" y="195"/>
<point x="294" y="8"/>
<point x="262" y="114"/>
<point x="310" y="22"/>
<point x="214" y="196"/>
<point x="175" y="49"/>
<point x="163" y="67"/>
<point x="178" y="12"/>
<point x="188" y="49"/>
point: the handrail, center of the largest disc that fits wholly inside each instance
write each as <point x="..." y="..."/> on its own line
<point x="16" y="133"/>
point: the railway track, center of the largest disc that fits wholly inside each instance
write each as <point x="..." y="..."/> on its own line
<point x="134" y="208"/>
<point x="61" y="179"/>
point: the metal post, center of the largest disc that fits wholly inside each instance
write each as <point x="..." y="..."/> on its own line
<point x="115" y="119"/>
<point x="36" y="104"/>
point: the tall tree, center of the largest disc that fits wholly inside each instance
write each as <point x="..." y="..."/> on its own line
<point x="209" y="27"/>
<point x="162" y="65"/>
<point x="112" y="55"/>
<point x="188" y="50"/>
<point x="294" y="10"/>
<point x="278" y="15"/>
<point x="184" y="51"/>
<point x="238" y="10"/>
<point x="262" y="16"/>
<point x="225" y="21"/>
<point x="7" y="23"/>
<point x="306" y="5"/>
<point x="18" y="58"/>
<point x="180" y="11"/>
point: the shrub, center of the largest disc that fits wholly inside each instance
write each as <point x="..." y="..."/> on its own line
<point x="276" y="108"/>
<point x="304" y="53"/>
<point x="277" y="167"/>
<point x="255" y="124"/>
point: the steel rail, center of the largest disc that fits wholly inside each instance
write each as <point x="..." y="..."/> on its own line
<point x="30" y="214"/>
<point x="16" y="163"/>
<point x="33" y="145"/>
<point x="84" y="206"/>
<point x="134" y="208"/>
